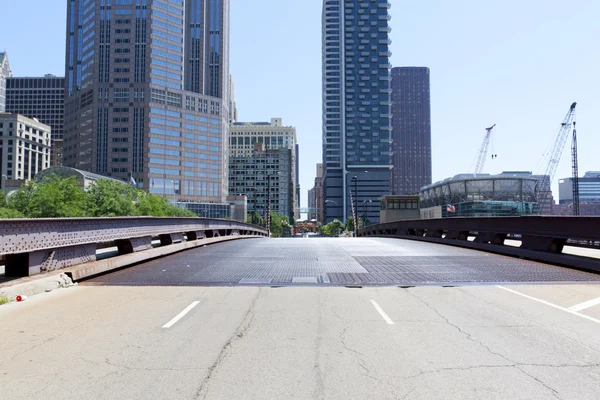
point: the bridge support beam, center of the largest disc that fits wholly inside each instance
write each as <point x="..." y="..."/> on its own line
<point x="127" y="246"/>
<point x="195" y="235"/>
<point x="35" y="262"/>
<point x="541" y="243"/>
<point x="170" y="238"/>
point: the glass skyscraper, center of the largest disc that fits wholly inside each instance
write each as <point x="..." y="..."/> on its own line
<point x="146" y="87"/>
<point x="356" y="107"/>
<point x="411" y="129"/>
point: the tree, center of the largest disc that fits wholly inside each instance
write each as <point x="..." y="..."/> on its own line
<point x="333" y="228"/>
<point x="55" y="197"/>
<point x="350" y="223"/>
<point x="279" y="224"/>
<point x="106" y="198"/>
<point x="154" y="206"/>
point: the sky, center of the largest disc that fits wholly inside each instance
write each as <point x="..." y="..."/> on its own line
<point x="518" y="64"/>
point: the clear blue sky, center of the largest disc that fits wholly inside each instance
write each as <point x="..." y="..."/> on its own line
<point x="515" y="63"/>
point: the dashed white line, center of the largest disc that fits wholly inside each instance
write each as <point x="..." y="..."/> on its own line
<point x="585" y="304"/>
<point x="382" y="313"/>
<point x="550" y="304"/>
<point x="180" y="315"/>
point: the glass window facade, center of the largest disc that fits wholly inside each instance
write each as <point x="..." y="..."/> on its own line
<point x="356" y="104"/>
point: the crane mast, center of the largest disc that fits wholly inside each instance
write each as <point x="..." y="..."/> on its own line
<point x="554" y="158"/>
<point x="575" y="170"/>
<point x="483" y="151"/>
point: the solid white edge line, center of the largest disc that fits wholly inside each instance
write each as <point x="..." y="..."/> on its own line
<point x="180" y="315"/>
<point x="382" y="313"/>
<point x="550" y="304"/>
<point x="585" y="304"/>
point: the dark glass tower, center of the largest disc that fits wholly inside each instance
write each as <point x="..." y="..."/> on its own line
<point x="411" y="129"/>
<point x="356" y="106"/>
<point x="143" y="102"/>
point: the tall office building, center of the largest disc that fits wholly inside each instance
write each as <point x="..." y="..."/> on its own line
<point x="146" y="94"/>
<point x="243" y="136"/>
<point x="266" y="178"/>
<point x="312" y="204"/>
<point x="5" y="73"/>
<point x="42" y="98"/>
<point x="356" y="105"/>
<point x="411" y="130"/>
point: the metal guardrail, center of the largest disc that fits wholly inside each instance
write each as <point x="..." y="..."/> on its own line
<point x="542" y="238"/>
<point x="32" y="246"/>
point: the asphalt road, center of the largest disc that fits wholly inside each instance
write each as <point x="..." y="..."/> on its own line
<point x="177" y="340"/>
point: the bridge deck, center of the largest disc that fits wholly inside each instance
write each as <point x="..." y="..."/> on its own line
<point x="341" y="262"/>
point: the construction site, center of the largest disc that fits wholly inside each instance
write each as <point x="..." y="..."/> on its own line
<point x="516" y="193"/>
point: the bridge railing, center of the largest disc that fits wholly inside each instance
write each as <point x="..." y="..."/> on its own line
<point x="32" y="246"/>
<point x="542" y="238"/>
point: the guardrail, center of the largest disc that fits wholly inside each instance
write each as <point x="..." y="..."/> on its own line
<point x="33" y="246"/>
<point x="542" y="238"/>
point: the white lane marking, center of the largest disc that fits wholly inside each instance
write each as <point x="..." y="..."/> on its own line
<point x="585" y="304"/>
<point x="550" y="304"/>
<point x="382" y="313"/>
<point x="180" y="315"/>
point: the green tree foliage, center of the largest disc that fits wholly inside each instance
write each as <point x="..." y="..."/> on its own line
<point x="155" y="206"/>
<point x="333" y="228"/>
<point x="58" y="197"/>
<point x="55" y="197"/>
<point x="279" y="224"/>
<point x="350" y="223"/>
<point x="110" y="199"/>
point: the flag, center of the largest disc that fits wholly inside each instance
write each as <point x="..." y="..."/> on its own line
<point x="450" y="208"/>
<point x="132" y="181"/>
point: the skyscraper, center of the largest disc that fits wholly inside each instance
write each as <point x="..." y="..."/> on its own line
<point x="42" y="98"/>
<point x="142" y="102"/>
<point x="4" y="75"/>
<point x="356" y="106"/>
<point x="411" y="129"/>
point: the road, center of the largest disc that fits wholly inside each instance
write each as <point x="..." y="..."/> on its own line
<point x="184" y="327"/>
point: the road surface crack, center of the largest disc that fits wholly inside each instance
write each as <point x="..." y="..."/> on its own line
<point x="238" y="334"/>
<point x="511" y="363"/>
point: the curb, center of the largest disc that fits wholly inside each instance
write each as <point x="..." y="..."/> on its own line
<point x="36" y="286"/>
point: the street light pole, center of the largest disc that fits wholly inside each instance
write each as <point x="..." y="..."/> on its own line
<point x="269" y="203"/>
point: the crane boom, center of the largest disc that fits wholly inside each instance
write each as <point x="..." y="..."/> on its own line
<point x="483" y="151"/>
<point x="554" y="157"/>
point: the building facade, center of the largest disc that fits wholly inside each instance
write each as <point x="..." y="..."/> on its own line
<point x="265" y="177"/>
<point x="233" y="114"/>
<point x="356" y="105"/>
<point x="42" y="98"/>
<point x="5" y="73"/>
<point x="312" y="205"/>
<point x="512" y="193"/>
<point x="142" y="102"/>
<point x="243" y="136"/>
<point x="24" y="149"/>
<point x="589" y="189"/>
<point x="411" y="130"/>
<point x="319" y="202"/>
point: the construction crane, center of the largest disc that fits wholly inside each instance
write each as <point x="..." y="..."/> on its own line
<point x="575" y="170"/>
<point x="483" y="151"/>
<point x="554" y="158"/>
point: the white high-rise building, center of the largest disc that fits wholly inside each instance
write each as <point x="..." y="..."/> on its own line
<point x="5" y="73"/>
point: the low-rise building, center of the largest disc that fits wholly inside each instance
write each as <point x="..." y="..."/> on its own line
<point x="466" y="195"/>
<point x="398" y="208"/>
<point x="24" y="148"/>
